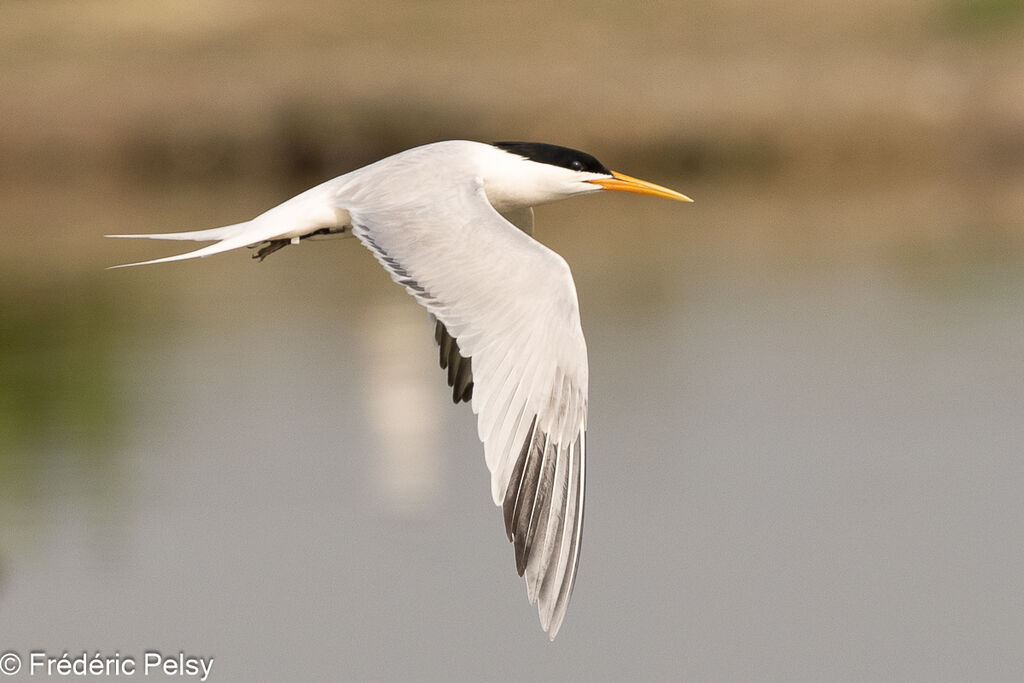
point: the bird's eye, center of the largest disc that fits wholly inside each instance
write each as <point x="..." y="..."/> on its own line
<point x="577" y="165"/>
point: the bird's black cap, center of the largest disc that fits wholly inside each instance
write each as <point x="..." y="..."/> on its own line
<point x="555" y="155"/>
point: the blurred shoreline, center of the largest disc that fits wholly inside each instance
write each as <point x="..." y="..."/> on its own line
<point x="872" y="126"/>
<point x="228" y="89"/>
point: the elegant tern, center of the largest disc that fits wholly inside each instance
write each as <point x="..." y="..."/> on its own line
<point x="452" y="223"/>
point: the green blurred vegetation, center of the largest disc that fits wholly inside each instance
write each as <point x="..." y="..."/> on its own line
<point x="986" y="16"/>
<point x="58" y="392"/>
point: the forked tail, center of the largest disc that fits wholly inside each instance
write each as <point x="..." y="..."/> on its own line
<point x="314" y="212"/>
<point x="228" y="237"/>
<point x="193" y="236"/>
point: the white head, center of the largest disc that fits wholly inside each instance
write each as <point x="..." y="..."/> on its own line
<point x="520" y="174"/>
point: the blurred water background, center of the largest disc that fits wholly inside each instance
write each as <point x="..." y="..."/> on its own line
<point x="807" y="388"/>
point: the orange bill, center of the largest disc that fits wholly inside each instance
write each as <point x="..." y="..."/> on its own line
<point x="625" y="183"/>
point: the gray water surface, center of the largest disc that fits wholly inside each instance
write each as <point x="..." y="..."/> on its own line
<point x="805" y="461"/>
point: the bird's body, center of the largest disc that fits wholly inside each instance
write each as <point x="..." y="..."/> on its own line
<point x="449" y="222"/>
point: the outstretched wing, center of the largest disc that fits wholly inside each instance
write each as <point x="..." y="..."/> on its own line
<point x="511" y="306"/>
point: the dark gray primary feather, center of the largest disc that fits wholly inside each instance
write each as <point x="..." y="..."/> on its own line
<point x="460" y="369"/>
<point x="525" y="495"/>
<point x="527" y="502"/>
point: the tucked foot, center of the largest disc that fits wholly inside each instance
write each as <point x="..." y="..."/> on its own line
<point x="265" y="249"/>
